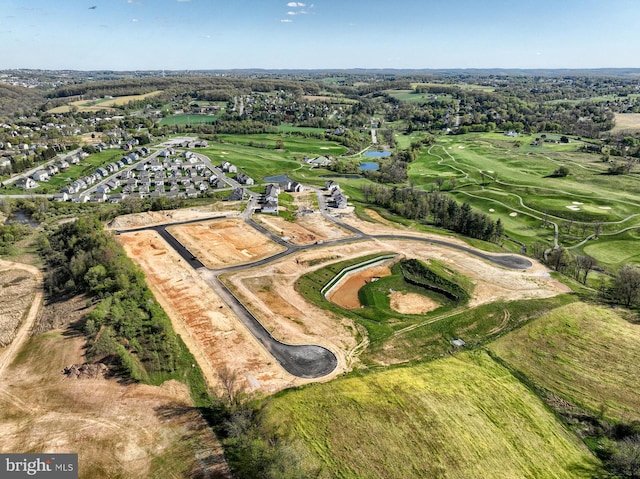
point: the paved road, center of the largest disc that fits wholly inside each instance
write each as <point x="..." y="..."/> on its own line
<point x="304" y="360"/>
<point x="301" y="360"/>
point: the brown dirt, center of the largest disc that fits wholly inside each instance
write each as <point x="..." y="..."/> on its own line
<point x="18" y="288"/>
<point x="219" y="341"/>
<point x="374" y="215"/>
<point x="211" y="331"/>
<point x="345" y="294"/>
<point x="152" y="218"/>
<point x="412" y="303"/>
<point x="119" y="430"/>
<point x="225" y="242"/>
<point x="307" y="229"/>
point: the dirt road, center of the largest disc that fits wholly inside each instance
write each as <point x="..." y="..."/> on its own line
<point x="10" y="352"/>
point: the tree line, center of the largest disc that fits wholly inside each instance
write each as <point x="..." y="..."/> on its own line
<point x="435" y="208"/>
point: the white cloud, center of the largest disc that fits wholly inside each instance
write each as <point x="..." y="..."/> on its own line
<point x="292" y="13"/>
<point x="286" y="20"/>
<point x="183" y="1"/>
<point x="296" y="4"/>
<point x="135" y="20"/>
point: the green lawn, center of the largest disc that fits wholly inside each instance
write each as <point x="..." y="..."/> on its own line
<point x="513" y="178"/>
<point x="188" y="119"/>
<point x="461" y="417"/>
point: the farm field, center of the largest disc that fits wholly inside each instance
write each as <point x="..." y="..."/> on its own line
<point x="584" y="353"/>
<point x="101" y="104"/>
<point x="460" y="417"/>
<point x="188" y="119"/>
<point x="294" y="145"/>
<point x="626" y="122"/>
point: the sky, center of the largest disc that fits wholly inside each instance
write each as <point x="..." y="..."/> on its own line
<point x="318" y="34"/>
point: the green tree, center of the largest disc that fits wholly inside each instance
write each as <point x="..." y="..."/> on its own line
<point x="626" y="286"/>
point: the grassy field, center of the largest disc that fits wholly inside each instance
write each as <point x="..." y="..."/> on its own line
<point x="256" y="155"/>
<point x="626" y="122"/>
<point x="410" y="96"/>
<point x="101" y="104"/>
<point x="187" y="119"/>
<point x="462" y="86"/>
<point x="461" y="417"/>
<point x="509" y="179"/>
<point x="584" y="353"/>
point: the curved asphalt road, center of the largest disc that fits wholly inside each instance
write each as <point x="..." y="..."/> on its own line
<point x="301" y="360"/>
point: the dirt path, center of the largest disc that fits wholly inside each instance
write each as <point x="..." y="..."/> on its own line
<point x="9" y="354"/>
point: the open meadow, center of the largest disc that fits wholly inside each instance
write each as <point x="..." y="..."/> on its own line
<point x="459" y="417"/>
<point x="584" y="353"/>
<point x="101" y="104"/>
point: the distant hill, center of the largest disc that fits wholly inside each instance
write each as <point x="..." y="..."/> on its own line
<point x="17" y="99"/>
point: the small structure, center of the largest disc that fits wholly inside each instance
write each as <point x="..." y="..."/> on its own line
<point x="26" y="183"/>
<point x="331" y="185"/>
<point x="236" y="195"/>
<point x="40" y="175"/>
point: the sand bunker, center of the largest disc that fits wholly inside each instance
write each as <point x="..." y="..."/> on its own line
<point x="513" y="214"/>
<point x="491" y="210"/>
<point x="573" y="207"/>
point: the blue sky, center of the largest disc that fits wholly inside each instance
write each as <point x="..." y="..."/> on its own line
<point x="214" y="34"/>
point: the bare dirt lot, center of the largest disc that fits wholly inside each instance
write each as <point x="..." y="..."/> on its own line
<point x="119" y="430"/>
<point x="412" y="303"/>
<point x="152" y="218"/>
<point x="225" y="242"/>
<point x="218" y="339"/>
<point x="211" y="331"/>
<point x="18" y="289"/>
<point x="307" y="229"/>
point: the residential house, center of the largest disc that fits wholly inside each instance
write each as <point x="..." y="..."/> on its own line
<point x="40" y="175"/>
<point x="271" y="193"/>
<point x="26" y="183"/>
<point x="270" y="207"/>
<point x="244" y="179"/>
<point x="236" y="195"/>
<point x="61" y="197"/>
<point x="331" y="185"/>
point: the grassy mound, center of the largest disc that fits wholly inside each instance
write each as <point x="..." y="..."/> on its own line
<point x="460" y="417"/>
<point x="584" y="353"/>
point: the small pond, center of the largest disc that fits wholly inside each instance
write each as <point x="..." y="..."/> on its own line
<point x="277" y="179"/>
<point x="369" y="166"/>
<point x="377" y="154"/>
<point x="20" y="216"/>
